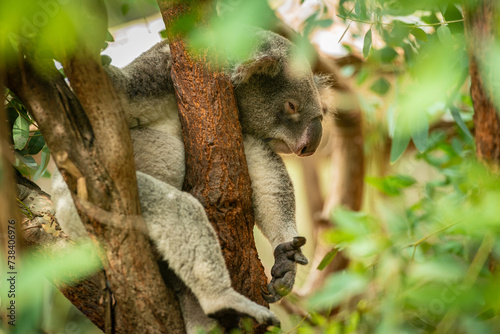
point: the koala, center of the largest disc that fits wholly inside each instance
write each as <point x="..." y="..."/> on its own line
<point x="280" y="113"/>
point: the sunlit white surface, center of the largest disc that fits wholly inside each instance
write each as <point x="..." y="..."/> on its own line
<point x="133" y="39"/>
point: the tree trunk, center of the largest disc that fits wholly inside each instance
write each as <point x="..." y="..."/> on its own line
<point x="481" y="22"/>
<point x="90" y="151"/>
<point x="44" y="237"/>
<point x="9" y="216"/>
<point x="216" y="169"/>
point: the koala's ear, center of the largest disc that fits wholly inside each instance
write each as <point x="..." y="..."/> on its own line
<point x="324" y="84"/>
<point x="262" y="65"/>
<point x="323" y="81"/>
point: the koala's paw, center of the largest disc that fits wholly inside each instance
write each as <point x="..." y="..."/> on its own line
<point x="232" y="306"/>
<point x="286" y="257"/>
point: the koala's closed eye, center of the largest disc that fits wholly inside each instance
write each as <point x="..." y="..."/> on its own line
<point x="292" y="110"/>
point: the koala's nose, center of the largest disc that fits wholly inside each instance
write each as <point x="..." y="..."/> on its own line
<point x="310" y="139"/>
<point x="307" y="151"/>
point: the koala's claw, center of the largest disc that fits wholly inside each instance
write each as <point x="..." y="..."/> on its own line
<point x="230" y="318"/>
<point x="286" y="257"/>
<point x="230" y="306"/>
<point x="271" y="296"/>
<point x="300" y="259"/>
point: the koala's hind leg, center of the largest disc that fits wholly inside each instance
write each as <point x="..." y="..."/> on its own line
<point x="178" y="225"/>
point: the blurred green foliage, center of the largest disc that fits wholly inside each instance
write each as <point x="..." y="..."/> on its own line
<point x="39" y="305"/>
<point x="27" y="143"/>
<point x="425" y="263"/>
<point x="425" y="268"/>
<point x="428" y="266"/>
<point x="416" y="60"/>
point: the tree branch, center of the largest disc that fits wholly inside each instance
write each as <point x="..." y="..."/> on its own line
<point x="142" y="302"/>
<point x="216" y="169"/>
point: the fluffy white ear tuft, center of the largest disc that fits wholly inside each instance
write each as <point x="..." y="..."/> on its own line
<point x="325" y="84"/>
<point x="267" y="65"/>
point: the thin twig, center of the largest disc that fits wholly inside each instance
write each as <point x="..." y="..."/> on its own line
<point x="19" y="112"/>
<point x="409" y="25"/>
<point x="418" y="242"/>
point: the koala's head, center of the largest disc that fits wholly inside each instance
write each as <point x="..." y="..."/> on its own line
<point x="278" y="97"/>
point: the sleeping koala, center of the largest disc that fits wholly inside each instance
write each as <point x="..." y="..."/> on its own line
<point x="280" y="113"/>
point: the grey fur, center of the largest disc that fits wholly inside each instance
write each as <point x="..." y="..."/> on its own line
<point x="264" y="86"/>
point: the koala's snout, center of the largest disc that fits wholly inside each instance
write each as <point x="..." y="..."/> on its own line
<point x="310" y="139"/>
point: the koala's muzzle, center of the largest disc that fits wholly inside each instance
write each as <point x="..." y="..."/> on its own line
<point x="309" y="140"/>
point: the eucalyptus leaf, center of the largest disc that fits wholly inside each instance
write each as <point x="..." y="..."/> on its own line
<point x="338" y="287"/>
<point x="381" y="86"/>
<point x="105" y="60"/>
<point x="328" y="259"/>
<point x="419" y="34"/>
<point x="21" y="133"/>
<point x="36" y="143"/>
<point x="460" y="122"/>
<point x="400" y="141"/>
<point x="27" y="160"/>
<point x="44" y="163"/>
<point x="391" y="185"/>
<point x="444" y="35"/>
<point x="419" y="130"/>
<point x="367" y="43"/>
<point x="109" y="37"/>
<point x="387" y="54"/>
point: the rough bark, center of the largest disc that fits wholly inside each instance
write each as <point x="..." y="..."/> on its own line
<point x="216" y="169"/>
<point x="481" y="22"/>
<point x="89" y="153"/>
<point x="43" y="235"/>
<point x="8" y="207"/>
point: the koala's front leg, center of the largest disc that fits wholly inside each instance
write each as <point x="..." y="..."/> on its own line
<point x="274" y="207"/>
<point x="180" y="229"/>
<point x="286" y="257"/>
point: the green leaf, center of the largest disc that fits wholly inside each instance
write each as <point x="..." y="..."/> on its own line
<point x="44" y="164"/>
<point x="400" y="141"/>
<point x="328" y="259"/>
<point x="105" y="60"/>
<point x="61" y="70"/>
<point x="443" y="7"/>
<point x="460" y="122"/>
<point x="444" y="35"/>
<point x="391" y="185"/>
<point x="381" y="86"/>
<point x="35" y="144"/>
<point x="27" y="160"/>
<point x="324" y="23"/>
<point x="357" y="8"/>
<point x="163" y="33"/>
<point x="409" y="53"/>
<point x="338" y="287"/>
<point x="419" y="34"/>
<point x="109" y="37"/>
<point x="420" y="131"/>
<point x="21" y="133"/>
<point x="387" y="54"/>
<point x="363" y="74"/>
<point x="367" y="43"/>
<point x="399" y="33"/>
